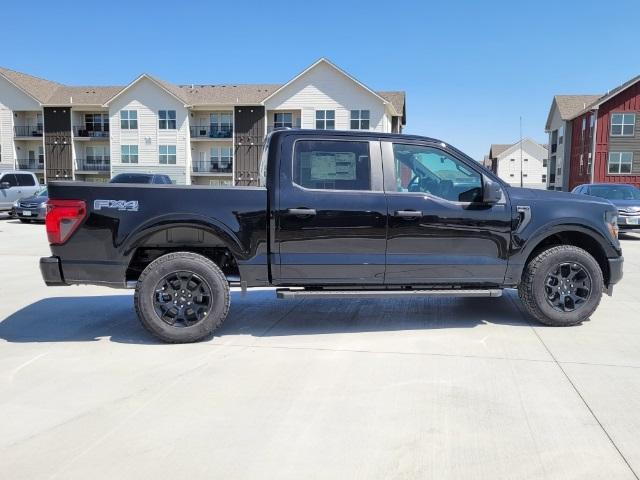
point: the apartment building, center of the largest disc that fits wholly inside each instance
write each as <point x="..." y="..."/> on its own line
<point x="523" y="163"/>
<point x="595" y="138"/>
<point x="196" y="134"/>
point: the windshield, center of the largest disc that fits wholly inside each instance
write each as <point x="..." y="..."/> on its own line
<point x="615" y="192"/>
<point x="42" y="192"/>
<point x="130" y="178"/>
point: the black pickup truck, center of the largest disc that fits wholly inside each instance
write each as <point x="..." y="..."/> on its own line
<point x="336" y="215"/>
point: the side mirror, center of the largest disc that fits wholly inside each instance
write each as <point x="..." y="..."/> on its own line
<point x="4" y="185"/>
<point x="491" y="191"/>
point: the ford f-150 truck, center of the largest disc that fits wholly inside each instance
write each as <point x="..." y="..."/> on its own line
<point x="336" y="215"/>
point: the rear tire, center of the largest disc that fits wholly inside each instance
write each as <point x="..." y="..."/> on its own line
<point x="561" y="286"/>
<point x="182" y="297"/>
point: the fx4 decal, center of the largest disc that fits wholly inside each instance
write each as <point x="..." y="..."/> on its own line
<point x="120" y="205"/>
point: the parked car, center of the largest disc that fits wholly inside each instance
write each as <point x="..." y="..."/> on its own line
<point x="31" y="208"/>
<point x="15" y="185"/>
<point x="625" y="197"/>
<point x="142" y="178"/>
<point x="336" y="215"/>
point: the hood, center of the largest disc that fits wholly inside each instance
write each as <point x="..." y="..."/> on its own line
<point x="533" y="194"/>
<point x="35" y="198"/>
<point x="626" y="203"/>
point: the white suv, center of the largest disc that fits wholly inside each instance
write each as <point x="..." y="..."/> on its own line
<point x="15" y="185"/>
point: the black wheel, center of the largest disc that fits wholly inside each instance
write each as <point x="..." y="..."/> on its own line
<point x="562" y="286"/>
<point x="24" y="220"/>
<point x="182" y="297"/>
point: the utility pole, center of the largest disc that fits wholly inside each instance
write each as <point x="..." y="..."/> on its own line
<point x="521" y="183"/>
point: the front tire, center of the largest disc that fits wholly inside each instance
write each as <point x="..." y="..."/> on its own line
<point x="561" y="286"/>
<point x="182" y="297"/>
<point x="24" y="220"/>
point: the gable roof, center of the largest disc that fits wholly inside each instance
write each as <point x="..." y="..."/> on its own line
<point x="171" y="89"/>
<point x="568" y="106"/>
<point x="339" y="70"/>
<point x="498" y="149"/>
<point x="37" y="88"/>
<point x="51" y="93"/>
<point x="608" y="96"/>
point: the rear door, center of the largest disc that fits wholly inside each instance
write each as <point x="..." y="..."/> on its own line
<point x="331" y="212"/>
<point x="439" y="230"/>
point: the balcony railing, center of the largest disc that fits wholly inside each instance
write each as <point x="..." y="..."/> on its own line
<point x="211" y="166"/>
<point x="94" y="164"/>
<point x="211" y="131"/>
<point x="31" y="164"/>
<point x="27" y="130"/>
<point x="84" y="132"/>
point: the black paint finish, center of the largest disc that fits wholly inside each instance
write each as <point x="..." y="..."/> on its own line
<point x="282" y="234"/>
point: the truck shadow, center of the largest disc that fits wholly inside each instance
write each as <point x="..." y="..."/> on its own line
<point x="257" y="314"/>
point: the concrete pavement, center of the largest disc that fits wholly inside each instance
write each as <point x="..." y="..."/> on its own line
<point x="416" y="388"/>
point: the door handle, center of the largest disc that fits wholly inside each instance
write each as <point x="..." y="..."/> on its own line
<point x="408" y="213"/>
<point x="301" y="212"/>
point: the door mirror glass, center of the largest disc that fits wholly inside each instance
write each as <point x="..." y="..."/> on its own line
<point x="4" y="185"/>
<point x="491" y="191"/>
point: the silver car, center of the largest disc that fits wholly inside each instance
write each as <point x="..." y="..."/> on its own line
<point x="15" y="185"/>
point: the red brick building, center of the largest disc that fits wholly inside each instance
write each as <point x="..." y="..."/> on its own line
<point x="598" y="141"/>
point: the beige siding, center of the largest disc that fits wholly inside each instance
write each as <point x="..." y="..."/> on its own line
<point x="147" y="99"/>
<point x="324" y="88"/>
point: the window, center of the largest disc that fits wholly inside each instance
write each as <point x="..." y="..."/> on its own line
<point x="525" y="174"/>
<point x="325" y="119"/>
<point x="221" y="158"/>
<point x="544" y="162"/>
<point x="622" y="124"/>
<point x="544" y="178"/>
<point x="96" y="122"/>
<point x="9" y="178"/>
<point x="592" y="122"/>
<point x="167" y="119"/>
<point x="97" y="154"/>
<point x="359" y="119"/>
<point x="129" y="119"/>
<point x="511" y="175"/>
<point x="332" y="165"/>
<point x="620" y="162"/>
<point x="513" y="159"/>
<point x="526" y="159"/>
<point x="422" y="169"/>
<point x="560" y="135"/>
<point x="25" y="180"/>
<point x="281" y="120"/>
<point x="221" y="124"/>
<point x="129" y="153"/>
<point x="167" y="154"/>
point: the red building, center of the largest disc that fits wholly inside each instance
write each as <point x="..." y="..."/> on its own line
<point x="600" y="139"/>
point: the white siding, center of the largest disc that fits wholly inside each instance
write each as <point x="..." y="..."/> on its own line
<point x="147" y="98"/>
<point x="324" y="88"/>
<point x="11" y="100"/>
<point x="509" y="170"/>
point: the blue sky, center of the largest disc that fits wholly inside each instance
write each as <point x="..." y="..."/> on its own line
<point x="470" y="68"/>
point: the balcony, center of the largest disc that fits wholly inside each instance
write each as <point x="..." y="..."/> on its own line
<point x="83" y="133"/>
<point x="211" y="132"/>
<point x="31" y="164"/>
<point x="27" y="131"/>
<point x="211" y="166"/>
<point x="94" y="164"/>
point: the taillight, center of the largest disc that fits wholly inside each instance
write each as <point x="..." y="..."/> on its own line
<point x="63" y="218"/>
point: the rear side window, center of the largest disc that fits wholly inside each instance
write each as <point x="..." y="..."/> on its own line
<point x="332" y="165"/>
<point x="25" y="180"/>
<point x="9" y="178"/>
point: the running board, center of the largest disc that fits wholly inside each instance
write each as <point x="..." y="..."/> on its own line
<point x="285" y="293"/>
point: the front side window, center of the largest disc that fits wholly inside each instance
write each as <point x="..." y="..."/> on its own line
<point x="129" y="153"/>
<point x="167" y="155"/>
<point x="360" y="119"/>
<point x="332" y="165"/>
<point x="9" y="178"/>
<point x="283" y="119"/>
<point x="422" y="169"/>
<point x="620" y="162"/>
<point x="129" y="119"/>
<point x="325" y="119"/>
<point x="623" y="124"/>
<point x="25" y="180"/>
<point x="167" y="119"/>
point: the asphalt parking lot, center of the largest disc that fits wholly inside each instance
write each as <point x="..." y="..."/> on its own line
<point x="416" y="388"/>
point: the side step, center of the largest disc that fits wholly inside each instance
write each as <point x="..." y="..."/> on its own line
<point x="286" y="293"/>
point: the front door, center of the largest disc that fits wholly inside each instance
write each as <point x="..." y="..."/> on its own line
<point x="331" y="213"/>
<point x="440" y="232"/>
